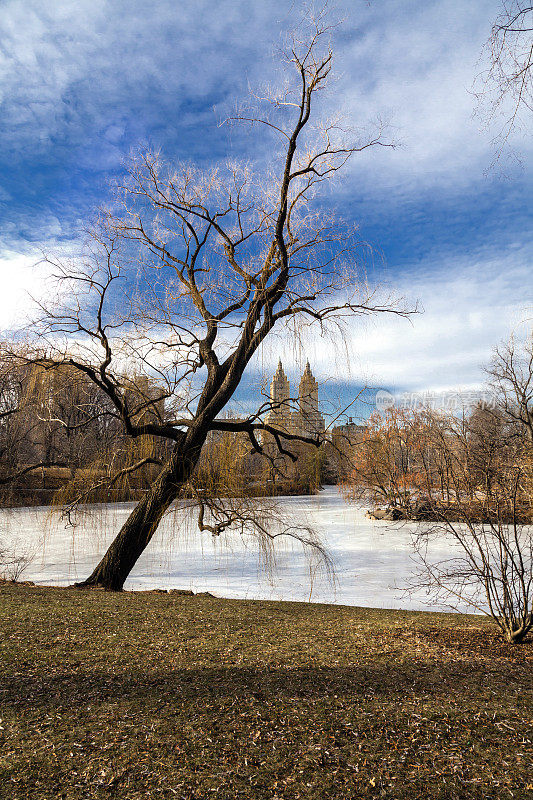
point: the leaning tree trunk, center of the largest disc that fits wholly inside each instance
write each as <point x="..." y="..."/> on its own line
<point x="137" y="531"/>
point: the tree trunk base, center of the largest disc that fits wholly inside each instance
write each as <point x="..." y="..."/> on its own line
<point x="96" y="585"/>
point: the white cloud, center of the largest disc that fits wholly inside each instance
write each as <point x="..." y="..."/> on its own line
<point x="72" y="66"/>
<point x="468" y="307"/>
<point x="27" y="279"/>
<point x="21" y="278"/>
<point x="66" y="68"/>
<point x="416" y="64"/>
<point x="83" y="81"/>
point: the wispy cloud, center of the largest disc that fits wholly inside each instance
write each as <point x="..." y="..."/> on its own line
<point x="85" y="80"/>
<point x="82" y="82"/>
<point x="72" y="70"/>
<point x="423" y="61"/>
<point x="467" y="308"/>
<point x="24" y="278"/>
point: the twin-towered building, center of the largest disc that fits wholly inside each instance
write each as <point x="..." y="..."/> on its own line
<point x="301" y="416"/>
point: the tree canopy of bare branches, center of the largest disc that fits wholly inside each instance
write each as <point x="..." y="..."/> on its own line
<point x="487" y="475"/>
<point x="505" y="89"/>
<point x="511" y="377"/>
<point x="188" y="274"/>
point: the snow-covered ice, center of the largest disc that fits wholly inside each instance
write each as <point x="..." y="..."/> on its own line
<point x="372" y="560"/>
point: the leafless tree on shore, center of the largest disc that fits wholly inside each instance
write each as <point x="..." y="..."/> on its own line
<point x="190" y="273"/>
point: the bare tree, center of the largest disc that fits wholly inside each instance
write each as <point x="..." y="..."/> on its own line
<point x="468" y="480"/>
<point x="191" y="272"/>
<point x="486" y="522"/>
<point x="14" y="560"/>
<point x="55" y="425"/>
<point x="511" y="377"/>
<point x="505" y="89"/>
<point x="20" y="424"/>
<point x="389" y="462"/>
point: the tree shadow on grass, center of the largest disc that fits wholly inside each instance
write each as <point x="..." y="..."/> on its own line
<point x="62" y="689"/>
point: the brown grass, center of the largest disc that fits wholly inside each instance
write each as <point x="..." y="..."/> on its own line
<point x="148" y="695"/>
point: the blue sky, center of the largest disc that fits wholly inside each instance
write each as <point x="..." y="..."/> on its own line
<point x="82" y="83"/>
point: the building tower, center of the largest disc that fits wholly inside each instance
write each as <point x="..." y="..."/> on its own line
<point x="310" y="420"/>
<point x="280" y="416"/>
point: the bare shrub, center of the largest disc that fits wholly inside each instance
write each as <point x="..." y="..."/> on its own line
<point x="13" y="561"/>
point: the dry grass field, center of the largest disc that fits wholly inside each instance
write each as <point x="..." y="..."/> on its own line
<point x="160" y="695"/>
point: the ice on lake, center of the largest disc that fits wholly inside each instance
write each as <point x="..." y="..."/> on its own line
<point x="372" y="560"/>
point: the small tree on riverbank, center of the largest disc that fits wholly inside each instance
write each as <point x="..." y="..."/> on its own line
<point x="468" y="480"/>
<point x="485" y="521"/>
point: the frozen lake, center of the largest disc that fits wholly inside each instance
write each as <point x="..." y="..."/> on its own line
<point x="372" y="560"/>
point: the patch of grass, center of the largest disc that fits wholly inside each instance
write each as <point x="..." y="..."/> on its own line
<point x="147" y="695"/>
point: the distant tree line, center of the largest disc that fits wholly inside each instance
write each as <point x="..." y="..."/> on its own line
<point x="63" y="442"/>
<point x="426" y="463"/>
<point x="60" y="440"/>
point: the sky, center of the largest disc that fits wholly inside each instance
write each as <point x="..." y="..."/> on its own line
<point x="83" y="83"/>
